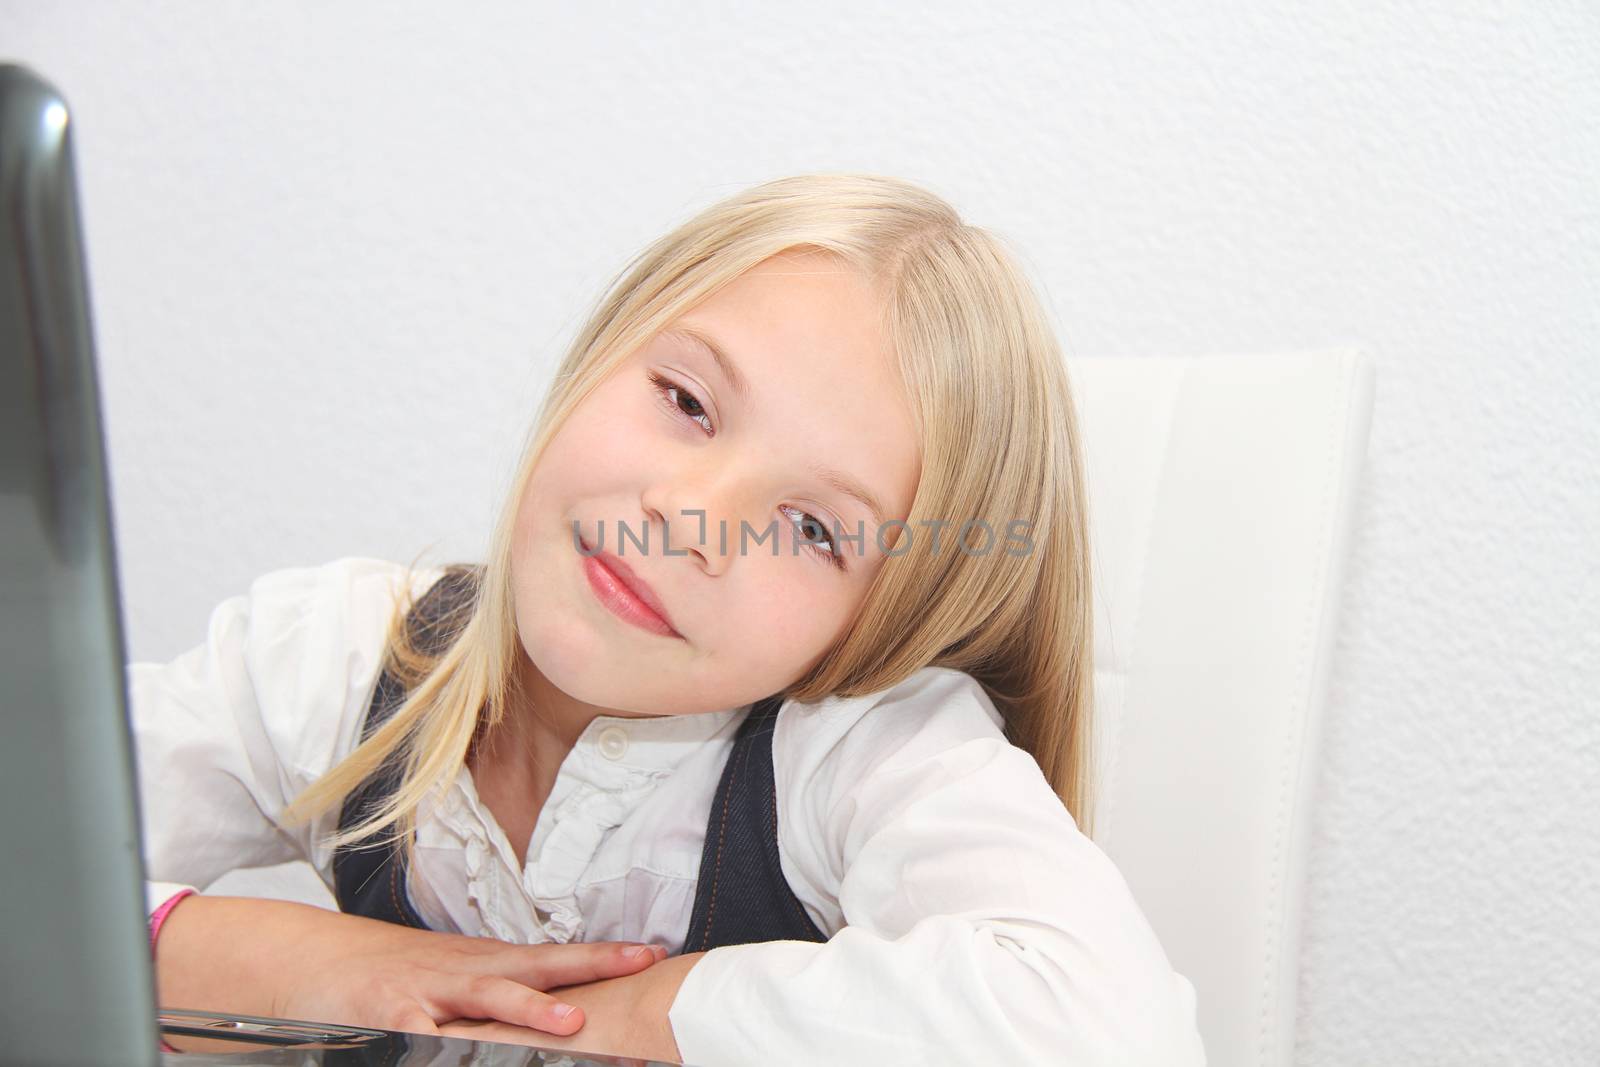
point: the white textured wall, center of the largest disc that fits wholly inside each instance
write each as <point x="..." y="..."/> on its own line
<point x="335" y="252"/>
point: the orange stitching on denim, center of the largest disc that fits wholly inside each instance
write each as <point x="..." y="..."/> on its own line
<point x="394" y="893"/>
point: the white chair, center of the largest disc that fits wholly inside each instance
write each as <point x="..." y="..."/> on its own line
<point x="1221" y="490"/>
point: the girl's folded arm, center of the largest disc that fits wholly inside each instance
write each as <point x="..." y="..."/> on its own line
<point x="978" y="919"/>
<point x="226" y="733"/>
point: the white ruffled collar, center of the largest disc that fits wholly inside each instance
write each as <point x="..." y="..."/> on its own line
<point x="614" y="765"/>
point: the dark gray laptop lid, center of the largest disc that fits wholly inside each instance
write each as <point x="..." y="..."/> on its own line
<point x="78" y="982"/>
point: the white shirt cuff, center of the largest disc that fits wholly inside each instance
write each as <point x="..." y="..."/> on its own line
<point x="158" y="893"/>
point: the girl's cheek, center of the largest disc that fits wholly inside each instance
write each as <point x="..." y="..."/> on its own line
<point x="790" y="611"/>
<point x="586" y="452"/>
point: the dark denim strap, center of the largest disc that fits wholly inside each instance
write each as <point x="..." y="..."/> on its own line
<point x="742" y="896"/>
<point x="369" y="877"/>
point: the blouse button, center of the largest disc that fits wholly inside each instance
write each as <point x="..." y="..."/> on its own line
<point x="613" y="742"/>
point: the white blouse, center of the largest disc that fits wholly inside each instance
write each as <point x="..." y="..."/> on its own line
<point x="968" y="917"/>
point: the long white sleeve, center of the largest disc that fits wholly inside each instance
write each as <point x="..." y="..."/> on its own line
<point x="227" y="733"/>
<point x="978" y="923"/>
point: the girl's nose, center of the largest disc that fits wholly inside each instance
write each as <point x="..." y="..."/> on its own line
<point x="700" y="523"/>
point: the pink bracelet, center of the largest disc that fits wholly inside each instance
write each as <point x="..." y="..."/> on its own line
<point x="159" y="916"/>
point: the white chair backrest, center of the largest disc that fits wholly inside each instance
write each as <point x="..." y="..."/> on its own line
<point x="1222" y="492"/>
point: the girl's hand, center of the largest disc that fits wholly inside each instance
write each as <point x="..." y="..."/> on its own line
<point x="296" y="961"/>
<point x="628" y="1016"/>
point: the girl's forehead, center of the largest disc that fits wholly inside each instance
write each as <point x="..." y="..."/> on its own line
<point x="771" y="320"/>
<point x="817" y="375"/>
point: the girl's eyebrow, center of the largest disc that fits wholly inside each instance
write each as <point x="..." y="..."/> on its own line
<point x="835" y="478"/>
<point x="726" y="365"/>
<point x="850" y="487"/>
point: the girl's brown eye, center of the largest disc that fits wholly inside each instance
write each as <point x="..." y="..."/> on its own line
<point x="674" y="396"/>
<point x="813" y="533"/>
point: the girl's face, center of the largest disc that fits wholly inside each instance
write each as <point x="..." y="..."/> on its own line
<point x="805" y="401"/>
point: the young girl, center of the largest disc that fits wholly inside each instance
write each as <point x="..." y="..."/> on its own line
<point x="780" y="662"/>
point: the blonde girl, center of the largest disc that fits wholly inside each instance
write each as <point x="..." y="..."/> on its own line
<point x="780" y="661"/>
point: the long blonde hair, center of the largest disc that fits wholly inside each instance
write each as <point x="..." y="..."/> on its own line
<point x="999" y="439"/>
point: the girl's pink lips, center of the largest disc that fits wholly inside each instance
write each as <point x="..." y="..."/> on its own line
<point x="625" y="593"/>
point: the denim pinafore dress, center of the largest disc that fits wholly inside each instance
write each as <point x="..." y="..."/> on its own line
<point x="741" y="895"/>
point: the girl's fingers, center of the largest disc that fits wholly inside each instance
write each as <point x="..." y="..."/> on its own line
<point x="490" y="996"/>
<point x="494" y="1030"/>
<point x="550" y="965"/>
<point x="410" y="1019"/>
